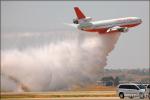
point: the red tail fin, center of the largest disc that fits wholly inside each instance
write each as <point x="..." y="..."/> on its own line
<point x="78" y="12"/>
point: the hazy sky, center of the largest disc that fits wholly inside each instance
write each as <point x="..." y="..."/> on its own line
<point x="132" y="49"/>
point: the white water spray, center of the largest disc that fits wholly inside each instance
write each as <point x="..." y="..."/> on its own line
<point x="57" y="65"/>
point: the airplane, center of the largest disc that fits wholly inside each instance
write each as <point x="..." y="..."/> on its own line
<point x="104" y="26"/>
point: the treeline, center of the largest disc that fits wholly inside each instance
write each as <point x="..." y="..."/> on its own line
<point x="113" y="77"/>
<point x="130" y="71"/>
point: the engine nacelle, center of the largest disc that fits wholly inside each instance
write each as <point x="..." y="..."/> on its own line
<point x="83" y="20"/>
<point x="123" y="29"/>
<point x="75" y="21"/>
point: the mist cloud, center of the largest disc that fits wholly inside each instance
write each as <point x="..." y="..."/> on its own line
<point x="60" y="64"/>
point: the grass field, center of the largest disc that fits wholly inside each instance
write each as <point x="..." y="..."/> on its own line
<point x="89" y="91"/>
<point x="59" y="94"/>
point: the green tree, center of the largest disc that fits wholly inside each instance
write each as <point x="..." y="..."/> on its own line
<point x="116" y="81"/>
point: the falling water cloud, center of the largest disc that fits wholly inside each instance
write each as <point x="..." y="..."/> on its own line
<point x="66" y="60"/>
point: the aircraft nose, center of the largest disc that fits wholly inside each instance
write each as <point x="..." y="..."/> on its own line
<point x="139" y="20"/>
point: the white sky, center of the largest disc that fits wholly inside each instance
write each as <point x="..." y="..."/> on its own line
<point x="131" y="51"/>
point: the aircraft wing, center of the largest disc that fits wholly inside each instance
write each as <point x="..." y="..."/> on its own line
<point x="118" y="28"/>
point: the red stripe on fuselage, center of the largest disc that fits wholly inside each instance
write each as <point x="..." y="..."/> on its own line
<point x="103" y="30"/>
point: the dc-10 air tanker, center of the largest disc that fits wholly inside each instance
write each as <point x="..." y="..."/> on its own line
<point x="104" y="26"/>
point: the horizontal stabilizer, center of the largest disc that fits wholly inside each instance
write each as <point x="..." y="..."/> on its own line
<point x="72" y="25"/>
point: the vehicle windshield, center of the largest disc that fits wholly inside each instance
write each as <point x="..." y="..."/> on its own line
<point x="141" y="86"/>
<point x="148" y="86"/>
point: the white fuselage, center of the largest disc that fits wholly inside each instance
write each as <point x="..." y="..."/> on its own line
<point x="104" y="25"/>
<point x="116" y="22"/>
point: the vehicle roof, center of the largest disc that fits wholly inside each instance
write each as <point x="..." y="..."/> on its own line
<point x="129" y="84"/>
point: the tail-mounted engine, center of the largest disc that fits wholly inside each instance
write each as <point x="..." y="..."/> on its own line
<point x="83" y="20"/>
<point x="75" y="21"/>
